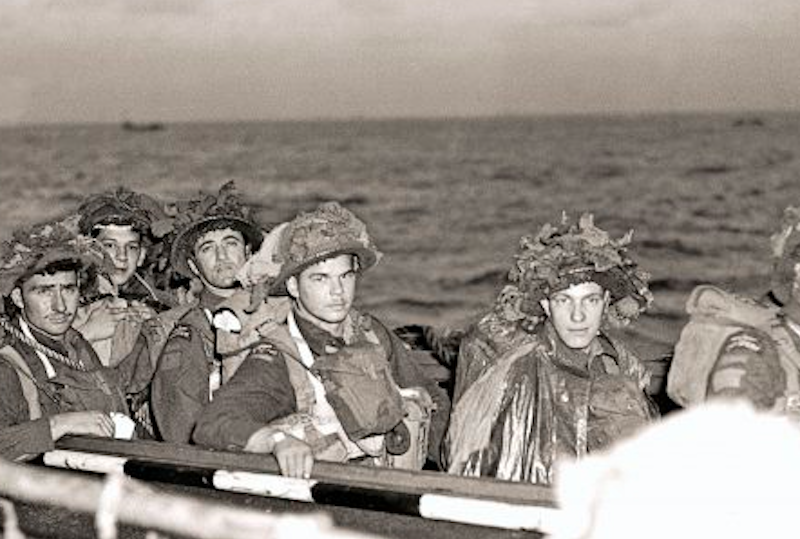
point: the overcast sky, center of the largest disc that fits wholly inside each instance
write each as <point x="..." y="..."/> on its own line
<point x="175" y="60"/>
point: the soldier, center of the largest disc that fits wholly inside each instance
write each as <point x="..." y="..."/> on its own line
<point x="51" y="381"/>
<point x="121" y="223"/>
<point x="735" y="347"/>
<point x="325" y="382"/>
<point x="214" y="237"/>
<point x="538" y="379"/>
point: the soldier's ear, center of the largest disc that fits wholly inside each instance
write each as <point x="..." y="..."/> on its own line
<point x="192" y="266"/>
<point x="545" y="303"/>
<point x="292" y="287"/>
<point x="142" y="256"/>
<point x="16" y="297"/>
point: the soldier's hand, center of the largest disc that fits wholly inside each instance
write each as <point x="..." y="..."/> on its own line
<point x="90" y="423"/>
<point x="294" y="457"/>
<point x="138" y="311"/>
<point x="99" y="320"/>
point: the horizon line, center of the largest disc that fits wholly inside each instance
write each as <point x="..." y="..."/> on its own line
<point x="411" y="117"/>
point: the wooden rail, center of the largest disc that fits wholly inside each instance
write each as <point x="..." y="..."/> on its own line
<point x="120" y="500"/>
<point x="432" y="495"/>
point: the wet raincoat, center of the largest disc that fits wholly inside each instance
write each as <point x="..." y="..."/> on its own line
<point x="540" y="401"/>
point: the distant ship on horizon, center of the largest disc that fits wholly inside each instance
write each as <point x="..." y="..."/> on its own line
<point x="141" y="127"/>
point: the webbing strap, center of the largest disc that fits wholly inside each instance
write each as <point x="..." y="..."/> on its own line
<point x="790" y="361"/>
<point x="39" y="348"/>
<point x="26" y="380"/>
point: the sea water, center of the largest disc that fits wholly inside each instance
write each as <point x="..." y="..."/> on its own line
<point x="447" y="200"/>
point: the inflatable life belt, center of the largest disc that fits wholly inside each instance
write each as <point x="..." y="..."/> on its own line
<point x="715" y="315"/>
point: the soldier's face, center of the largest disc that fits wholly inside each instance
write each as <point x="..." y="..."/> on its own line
<point x="218" y="255"/>
<point x="577" y="313"/>
<point x="49" y="302"/>
<point x="324" y="292"/>
<point x="124" y="245"/>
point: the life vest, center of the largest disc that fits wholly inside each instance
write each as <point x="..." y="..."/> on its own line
<point x="240" y="332"/>
<point x="78" y="390"/>
<point x="714" y="316"/>
<point x="352" y="396"/>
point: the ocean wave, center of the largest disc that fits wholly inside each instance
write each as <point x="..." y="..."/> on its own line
<point x="413" y="303"/>
<point x="710" y="169"/>
<point x="674" y="245"/>
<point x="491" y="277"/>
<point x="348" y="200"/>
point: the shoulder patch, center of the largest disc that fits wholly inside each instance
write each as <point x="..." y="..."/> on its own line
<point x="744" y="341"/>
<point x="265" y="350"/>
<point x="181" y="331"/>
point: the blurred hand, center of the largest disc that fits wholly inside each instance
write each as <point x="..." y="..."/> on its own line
<point x="105" y="286"/>
<point x="97" y="321"/>
<point x="294" y="457"/>
<point x="88" y="423"/>
<point x="138" y="311"/>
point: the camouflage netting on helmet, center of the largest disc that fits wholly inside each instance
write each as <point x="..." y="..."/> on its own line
<point x="311" y="237"/>
<point x="329" y="229"/>
<point x="123" y="207"/>
<point x="32" y="249"/>
<point x="567" y="254"/>
<point x="145" y="215"/>
<point x="785" y="254"/>
<point x="193" y="218"/>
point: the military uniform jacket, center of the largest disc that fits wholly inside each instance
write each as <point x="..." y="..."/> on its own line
<point x="71" y="390"/>
<point x="749" y="366"/>
<point x="261" y="390"/>
<point x="181" y="384"/>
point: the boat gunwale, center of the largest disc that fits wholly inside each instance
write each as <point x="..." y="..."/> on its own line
<point x="407" y="481"/>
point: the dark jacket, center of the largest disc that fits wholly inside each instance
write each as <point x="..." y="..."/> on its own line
<point x="181" y="383"/>
<point x="71" y="390"/>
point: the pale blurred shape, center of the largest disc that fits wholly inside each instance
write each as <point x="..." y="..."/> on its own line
<point x="721" y="470"/>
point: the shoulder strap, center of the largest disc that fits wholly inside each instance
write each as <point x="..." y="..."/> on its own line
<point x="303" y="390"/>
<point x="26" y="380"/>
<point x="789" y="358"/>
<point x="280" y="339"/>
<point x="300" y="368"/>
<point x="377" y="333"/>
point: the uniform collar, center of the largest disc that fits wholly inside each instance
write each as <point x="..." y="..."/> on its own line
<point x="60" y="346"/>
<point x="316" y="337"/>
<point x="209" y="300"/>
<point x="579" y="361"/>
